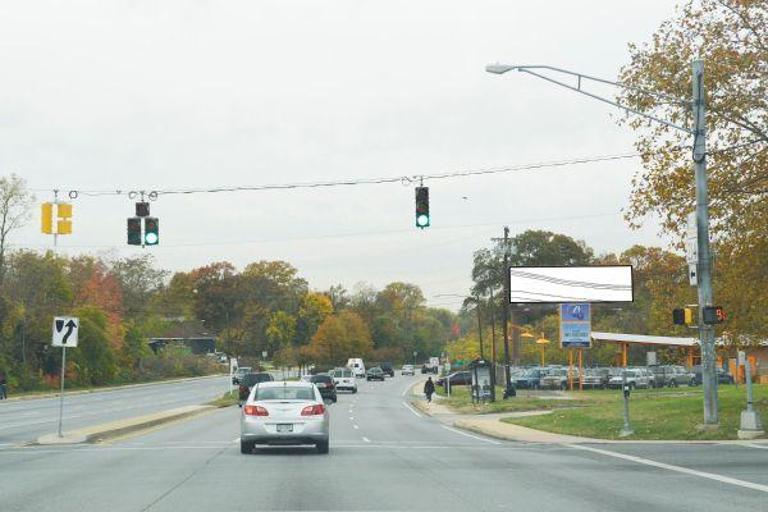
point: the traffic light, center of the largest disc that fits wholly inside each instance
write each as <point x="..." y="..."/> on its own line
<point x="151" y="231"/>
<point x="682" y="316"/>
<point x="134" y="231"/>
<point x="714" y="315"/>
<point x="422" y="207"/>
<point x="46" y="218"/>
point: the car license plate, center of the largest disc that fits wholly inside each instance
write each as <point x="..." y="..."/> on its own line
<point x="285" y="427"/>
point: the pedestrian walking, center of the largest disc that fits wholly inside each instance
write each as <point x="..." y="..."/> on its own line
<point x="429" y="389"/>
<point x="3" y="383"/>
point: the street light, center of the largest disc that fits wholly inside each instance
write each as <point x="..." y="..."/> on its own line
<point x="699" y="153"/>
<point x="542" y="342"/>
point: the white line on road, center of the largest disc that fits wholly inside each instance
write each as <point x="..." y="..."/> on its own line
<point x="235" y="439"/>
<point x="366" y="440"/>
<point x="754" y="445"/>
<point x="411" y="409"/>
<point x="470" y="435"/>
<point x="679" y="469"/>
<point x="355" y="427"/>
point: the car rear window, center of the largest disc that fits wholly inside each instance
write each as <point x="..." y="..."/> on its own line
<point x="344" y="373"/>
<point x="284" y="393"/>
<point x="321" y="378"/>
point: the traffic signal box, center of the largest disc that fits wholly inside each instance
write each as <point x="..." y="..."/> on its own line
<point x="151" y="231"/>
<point x="422" y="207"/>
<point x="682" y="316"/>
<point x="711" y="315"/>
<point x="134" y="231"/>
<point x="714" y="315"/>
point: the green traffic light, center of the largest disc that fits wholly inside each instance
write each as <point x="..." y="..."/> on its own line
<point x="422" y="221"/>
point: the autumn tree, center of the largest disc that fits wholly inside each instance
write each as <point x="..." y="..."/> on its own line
<point x="15" y="205"/>
<point x="731" y="36"/>
<point x="340" y="337"/>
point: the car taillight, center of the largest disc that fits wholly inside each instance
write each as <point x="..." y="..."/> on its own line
<point x="313" y="410"/>
<point x="255" y="410"/>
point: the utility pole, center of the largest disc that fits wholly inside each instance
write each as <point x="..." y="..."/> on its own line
<point x="493" y="349"/>
<point x="706" y="332"/>
<point x="505" y="313"/>
<point x="479" y="328"/>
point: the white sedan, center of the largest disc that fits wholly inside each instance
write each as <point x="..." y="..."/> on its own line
<point x="284" y="413"/>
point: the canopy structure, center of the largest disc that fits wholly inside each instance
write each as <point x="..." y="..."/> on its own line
<point x="624" y="340"/>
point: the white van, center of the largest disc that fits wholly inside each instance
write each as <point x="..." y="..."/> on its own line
<point x="356" y="365"/>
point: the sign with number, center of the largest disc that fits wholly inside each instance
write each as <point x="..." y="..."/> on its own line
<point x="575" y="326"/>
<point x="65" y="331"/>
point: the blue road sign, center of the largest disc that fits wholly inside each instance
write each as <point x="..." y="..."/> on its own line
<point x="575" y="313"/>
<point x="575" y="326"/>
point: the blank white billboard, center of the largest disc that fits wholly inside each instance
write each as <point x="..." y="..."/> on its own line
<point x="570" y="284"/>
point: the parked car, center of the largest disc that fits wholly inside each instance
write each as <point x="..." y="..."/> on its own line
<point x="636" y="378"/>
<point x="529" y="379"/>
<point x="407" y="369"/>
<point x="375" y="373"/>
<point x="387" y="368"/>
<point x="596" y="378"/>
<point x="284" y="413"/>
<point x="247" y="381"/>
<point x="558" y="379"/>
<point x="671" y="376"/>
<point x="242" y="370"/>
<point x="344" y="380"/>
<point x="325" y="384"/>
<point x="462" y="378"/>
<point x="723" y="377"/>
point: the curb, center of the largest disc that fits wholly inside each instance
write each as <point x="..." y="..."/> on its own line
<point x="106" y="431"/>
<point x="41" y="396"/>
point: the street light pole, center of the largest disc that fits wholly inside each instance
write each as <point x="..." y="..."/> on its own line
<point x="704" y="271"/>
<point x="699" y="133"/>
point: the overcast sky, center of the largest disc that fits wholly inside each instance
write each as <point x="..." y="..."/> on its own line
<point x="141" y="94"/>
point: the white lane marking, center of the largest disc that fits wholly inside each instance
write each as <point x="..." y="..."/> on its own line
<point x="411" y="409"/>
<point x="236" y="440"/>
<point x="355" y="427"/>
<point x="470" y="435"/>
<point x="670" y="467"/>
<point x="366" y="440"/>
<point x="754" y="445"/>
<point x="351" y="418"/>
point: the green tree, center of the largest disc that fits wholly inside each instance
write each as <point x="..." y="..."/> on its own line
<point x="281" y="330"/>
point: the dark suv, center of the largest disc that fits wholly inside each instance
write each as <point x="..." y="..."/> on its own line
<point x="325" y="384"/>
<point x="248" y="380"/>
<point x="388" y="369"/>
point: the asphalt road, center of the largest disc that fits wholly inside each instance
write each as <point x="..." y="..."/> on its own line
<point x="26" y="420"/>
<point x="384" y="456"/>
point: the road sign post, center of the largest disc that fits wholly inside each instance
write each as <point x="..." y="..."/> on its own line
<point x="65" y="329"/>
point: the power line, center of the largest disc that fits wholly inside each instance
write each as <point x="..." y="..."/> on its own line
<point x="407" y="179"/>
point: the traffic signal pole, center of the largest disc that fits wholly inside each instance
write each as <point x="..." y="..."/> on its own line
<point x="704" y="270"/>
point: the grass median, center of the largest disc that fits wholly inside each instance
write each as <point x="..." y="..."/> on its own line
<point x="460" y="401"/>
<point x="674" y="414"/>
